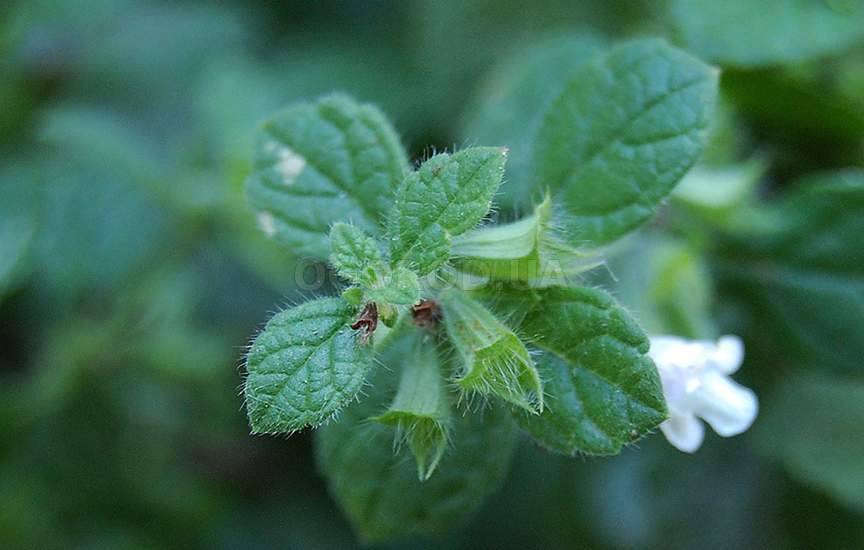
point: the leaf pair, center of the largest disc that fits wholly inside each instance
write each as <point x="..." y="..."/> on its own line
<point x="446" y="196"/>
<point x="602" y="392"/>
<point x="336" y="161"/>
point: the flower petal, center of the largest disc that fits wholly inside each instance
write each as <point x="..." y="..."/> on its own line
<point x="670" y="351"/>
<point x="728" y="407"/>
<point x="728" y="354"/>
<point x="684" y="432"/>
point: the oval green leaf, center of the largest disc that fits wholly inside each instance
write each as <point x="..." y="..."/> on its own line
<point x="304" y="367"/>
<point x="621" y="135"/>
<point x="602" y="390"/>
<point x="446" y="197"/>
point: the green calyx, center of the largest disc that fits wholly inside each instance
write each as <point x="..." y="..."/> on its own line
<point x="420" y="412"/>
<point x="531" y="250"/>
<point x="494" y="361"/>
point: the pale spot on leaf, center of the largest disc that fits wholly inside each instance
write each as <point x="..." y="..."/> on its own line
<point x="290" y="165"/>
<point x="267" y="223"/>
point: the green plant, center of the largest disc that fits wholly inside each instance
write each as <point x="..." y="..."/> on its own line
<point x="486" y="317"/>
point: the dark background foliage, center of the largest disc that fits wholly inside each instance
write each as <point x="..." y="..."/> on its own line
<point x="134" y="278"/>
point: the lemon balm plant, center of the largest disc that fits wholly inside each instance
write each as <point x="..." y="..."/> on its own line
<point x="453" y="335"/>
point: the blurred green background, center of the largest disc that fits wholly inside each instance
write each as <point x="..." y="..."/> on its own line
<point x="132" y="276"/>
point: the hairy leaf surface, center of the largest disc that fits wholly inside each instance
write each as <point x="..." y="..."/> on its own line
<point x="304" y="367"/>
<point x="494" y="360"/>
<point x="398" y="287"/>
<point x="420" y="412"/>
<point x="446" y="197"/>
<point x="323" y="162"/>
<point x="354" y="254"/>
<point x="602" y="390"/>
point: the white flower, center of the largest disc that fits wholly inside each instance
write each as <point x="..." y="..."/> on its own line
<point x="696" y="383"/>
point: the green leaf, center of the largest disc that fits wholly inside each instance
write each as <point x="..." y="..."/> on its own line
<point x="714" y="191"/>
<point x="752" y="34"/>
<point x="181" y="38"/>
<point x="510" y="103"/>
<point x="447" y="196"/>
<point x="332" y="160"/>
<point x="602" y="390"/>
<point x="530" y="250"/>
<point x="399" y="287"/>
<point x="357" y="258"/>
<point x="621" y="135"/>
<point x="304" y="367"/>
<point x="420" y="412"/>
<point x="101" y="137"/>
<point x="379" y="491"/>
<point x="15" y="236"/>
<point x="494" y="360"/>
<point x="230" y="125"/>
<point x="803" y="277"/>
<point x="812" y="426"/>
<point x="802" y="104"/>
<point x="83" y="237"/>
<point x="354" y="254"/>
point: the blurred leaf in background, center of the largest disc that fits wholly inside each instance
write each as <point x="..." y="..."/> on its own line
<point x="803" y="275"/>
<point x="813" y="429"/>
